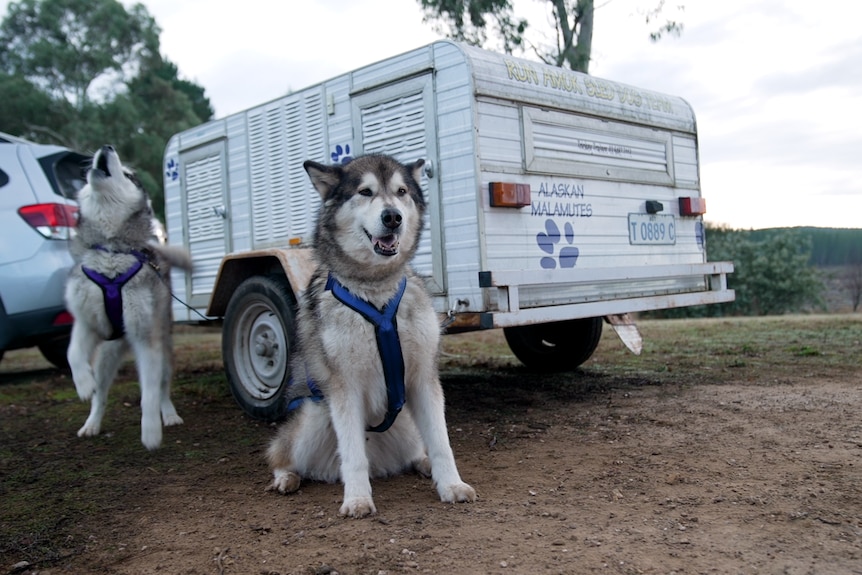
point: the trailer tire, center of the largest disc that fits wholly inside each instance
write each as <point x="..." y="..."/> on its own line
<point x="257" y="340"/>
<point x="556" y="346"/>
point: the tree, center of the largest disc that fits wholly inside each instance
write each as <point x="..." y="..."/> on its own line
<point x="853" y="283"/>
<point x="771" y="275"/>
<point x="65" y="46"/>
<point x="22" y="102"/>
<point x="468" y="21"/>
<point x="83" y="73"/>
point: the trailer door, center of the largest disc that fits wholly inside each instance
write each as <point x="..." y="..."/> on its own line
<point x="398" y="119"/>
<point x="206" y="218"/>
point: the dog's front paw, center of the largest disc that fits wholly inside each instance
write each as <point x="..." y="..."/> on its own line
<point x="284" y="481"/>
<point x="358" y="507"/>
<point x="89" y="429"/>
<point x="457" y="492"/>
<point x="85" y="384"/>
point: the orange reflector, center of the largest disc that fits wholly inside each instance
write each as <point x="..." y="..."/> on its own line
<point x="294" y="241"/>
<point x="692" y="206"/>
<point x="505" y="195"/>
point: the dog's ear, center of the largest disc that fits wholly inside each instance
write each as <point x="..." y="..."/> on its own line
<point x="416" y="170"/>
<point x="323" y="178"/>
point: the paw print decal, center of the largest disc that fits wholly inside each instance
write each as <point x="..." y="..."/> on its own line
<point x="341" y="155"/>
<point x="172" y="170"/>
<point x="548" y="240"/>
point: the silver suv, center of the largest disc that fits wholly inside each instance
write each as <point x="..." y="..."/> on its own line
<point x="38" y="184"/>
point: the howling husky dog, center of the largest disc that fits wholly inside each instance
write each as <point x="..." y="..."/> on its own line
<point x="119" y="295"/>
<point x="362" y="302"/>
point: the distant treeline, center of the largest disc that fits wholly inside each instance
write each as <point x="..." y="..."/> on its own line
<point x="829" y="246"/>
<point x="778" y="270"/>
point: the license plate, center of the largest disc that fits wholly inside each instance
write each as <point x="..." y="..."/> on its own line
<point x="652" y="229"/>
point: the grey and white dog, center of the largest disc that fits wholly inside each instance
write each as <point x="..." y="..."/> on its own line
<point x="367" y="344"/>
<point x="119" y="294"/>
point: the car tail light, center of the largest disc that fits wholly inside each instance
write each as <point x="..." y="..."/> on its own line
<point x="63" y="318"/>
<point x="54" y="221"/>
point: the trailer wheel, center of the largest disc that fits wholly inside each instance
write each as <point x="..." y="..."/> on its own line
<point x="557" y="346"/>
<point x="256" y="343"/>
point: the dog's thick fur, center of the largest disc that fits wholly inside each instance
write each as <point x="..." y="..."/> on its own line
<point x="367" y="232"/>
<point x="115" y="221"/>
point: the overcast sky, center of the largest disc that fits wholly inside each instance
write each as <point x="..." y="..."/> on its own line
<point x="776" y="84"/>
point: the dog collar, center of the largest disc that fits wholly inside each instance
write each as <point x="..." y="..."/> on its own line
<point x="388" y="344"/>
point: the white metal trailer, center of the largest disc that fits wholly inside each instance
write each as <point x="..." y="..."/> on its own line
<point x="555" y="199"/>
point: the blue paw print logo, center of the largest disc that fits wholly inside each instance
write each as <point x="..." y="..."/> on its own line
<point x="341" y="155"/>
<point x="172" y="170"/>
<point x="548" y="240"/>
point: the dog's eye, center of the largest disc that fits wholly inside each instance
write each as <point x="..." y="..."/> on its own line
<point x="365" y="192"/>
<point x="402" y="191"/>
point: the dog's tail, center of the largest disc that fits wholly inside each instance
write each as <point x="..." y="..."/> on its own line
<point x="175" y="256"/>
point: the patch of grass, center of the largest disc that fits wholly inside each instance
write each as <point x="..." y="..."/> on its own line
<point x="804" y="351"/>
<point x="757" y="349"/>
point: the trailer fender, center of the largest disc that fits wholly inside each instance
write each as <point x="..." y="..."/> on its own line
<point x="296" y="264"/>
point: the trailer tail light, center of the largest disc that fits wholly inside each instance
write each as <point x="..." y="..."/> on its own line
<point x="692" y="206"/>
<point x="506" y="195"/>
<point x="53" y="221"/>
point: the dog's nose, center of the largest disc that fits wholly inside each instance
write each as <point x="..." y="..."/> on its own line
<point x="107" y="148"/>
<point x="391" y="218"/>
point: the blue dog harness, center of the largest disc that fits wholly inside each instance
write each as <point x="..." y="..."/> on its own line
<point x="111" y="287"/>
<point x="388" y="344"/>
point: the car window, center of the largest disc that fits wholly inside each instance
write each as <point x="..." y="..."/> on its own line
<point x="66" y="171"/>
<point x="4" y="178"/>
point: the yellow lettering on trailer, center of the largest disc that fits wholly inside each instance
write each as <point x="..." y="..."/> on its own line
<point x="561" y="81"/>
<point x="522" y="72"/>
<point x="566" y="81"/>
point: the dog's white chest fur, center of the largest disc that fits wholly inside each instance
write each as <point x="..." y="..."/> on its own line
<point x="109" y="210"/>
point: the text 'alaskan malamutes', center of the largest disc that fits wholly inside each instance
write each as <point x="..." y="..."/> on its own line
<point x="119" y="294"/>
<point x="367" y="344"/>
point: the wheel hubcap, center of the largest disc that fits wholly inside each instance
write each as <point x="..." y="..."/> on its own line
<point x="261" y="351"/>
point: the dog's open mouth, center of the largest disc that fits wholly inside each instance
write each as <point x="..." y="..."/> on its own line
<point x="384" y="245"/>
<point x="102" y="164"/>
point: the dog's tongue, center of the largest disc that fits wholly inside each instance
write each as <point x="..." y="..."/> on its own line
<point x="387" y="242"/>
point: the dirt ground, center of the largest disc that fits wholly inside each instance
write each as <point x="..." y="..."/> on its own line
<point x="741" y="454"/>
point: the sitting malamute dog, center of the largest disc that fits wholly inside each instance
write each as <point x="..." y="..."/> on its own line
<point x="119" y="294"/>
<point x="362" y="301"/>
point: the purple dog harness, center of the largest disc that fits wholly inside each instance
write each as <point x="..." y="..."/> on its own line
<point x="111" y="289"/>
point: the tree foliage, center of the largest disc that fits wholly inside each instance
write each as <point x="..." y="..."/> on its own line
<point x="853" y="283"/>
<point x="471" y="20"/>
<point x="478" y="21"/>
<point x="64" y="46"/>
<point x="830" y="246"/>
<point x="772" y="274"/>
<point x="83" y="73"/>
